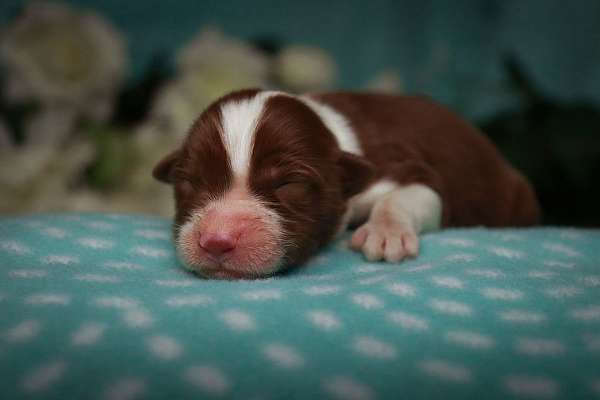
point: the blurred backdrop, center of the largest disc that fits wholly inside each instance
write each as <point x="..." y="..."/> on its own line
<point x="93" y="93"/>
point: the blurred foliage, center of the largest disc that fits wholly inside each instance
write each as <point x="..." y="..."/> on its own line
<point x="75" y="134"/>
<point x="15" y="117"/>
<point x="113" y="156"/>
<point x="135" y="99"/>
<point x="557" y="145"/>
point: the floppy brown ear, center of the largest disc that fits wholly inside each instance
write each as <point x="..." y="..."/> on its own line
<point x="357" y="173"/>
<point x="164" y="169"/>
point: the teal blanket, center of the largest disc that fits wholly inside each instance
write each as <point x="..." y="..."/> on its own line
<point x="96" y="306"/>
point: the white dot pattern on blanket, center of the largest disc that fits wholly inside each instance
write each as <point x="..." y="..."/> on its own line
<point x="28" y="273"/>
<point x="261" y="295"/>
<point x="373" y="348"/>
<point x="283" y="355"/>
<point x="100" y="301"/>
<point x="532" y="386"/>
<point x="23" y="331"/>
<point x="54" y="232"/>
<point x="449" y="282"/>
<point x="48" y="298"/>
<point x="402" y="289"/>
<point x="321" y="290"/>
<point x="164" y="347"/>
<point x="60" y="259"/>
<point x="324" y="320"/>
<point x="88" y="334"/>
<point x="539" y="346"/>
<point x="137" y="318"/>
<point x="588" y="314"/>
<point x="344" y="388"/>
<point x="41" y="377"/>
<point x="95" y="243"/>
<point x="408" y="321"/>
<point x="451" y="307"/>
<point x="15" y="247"/>
<point x="522" y="316"/>
<point x="446" y="371"/>
<point x="495" y="293"/>
<point x="192" y="300"/>
<point x="125" y="389"/>
<point x="472" y="340"/>
<point x="367" y="301"/>
<point x="207" y="378"/>
<point x="238" y="320"/>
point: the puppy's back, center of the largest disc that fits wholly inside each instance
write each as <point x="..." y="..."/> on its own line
<point x="414" y="139"/>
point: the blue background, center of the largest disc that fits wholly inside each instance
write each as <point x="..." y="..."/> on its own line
<point x="451" y="50"/>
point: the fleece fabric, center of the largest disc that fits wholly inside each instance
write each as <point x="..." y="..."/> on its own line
<point x="97" y="306"/>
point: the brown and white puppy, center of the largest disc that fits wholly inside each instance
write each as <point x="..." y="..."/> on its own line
<point x="264" y="179"/>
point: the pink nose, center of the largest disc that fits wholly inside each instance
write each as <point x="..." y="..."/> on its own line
<point x="217" y="244"/>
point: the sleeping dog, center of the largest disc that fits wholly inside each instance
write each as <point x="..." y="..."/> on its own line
<point x="265" y="178"/>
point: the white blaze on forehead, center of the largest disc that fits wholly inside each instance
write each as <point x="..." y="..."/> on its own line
<point x="238" y="122"/>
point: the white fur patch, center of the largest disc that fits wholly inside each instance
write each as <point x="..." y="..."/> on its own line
<point x="336" y="123"/>
<point x="422" y="203"/>
<point x="396" y="218"/>
<point x="239" y="120"/>
<point x="360" y="205"/>
<point x="238" y="123"/>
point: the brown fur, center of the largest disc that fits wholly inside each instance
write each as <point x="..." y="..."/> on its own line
<point x="412" y="139"/>
<point x="297" y="169"/>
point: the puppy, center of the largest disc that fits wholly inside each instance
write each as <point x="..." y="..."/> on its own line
<point x="265" y="178"/>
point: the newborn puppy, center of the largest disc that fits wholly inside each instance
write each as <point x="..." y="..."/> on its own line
<point x="264" y="179"/>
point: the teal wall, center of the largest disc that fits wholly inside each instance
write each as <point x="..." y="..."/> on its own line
<point x="451" y="50"/>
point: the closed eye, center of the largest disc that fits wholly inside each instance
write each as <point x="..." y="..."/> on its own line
<point x="293" y="190"/>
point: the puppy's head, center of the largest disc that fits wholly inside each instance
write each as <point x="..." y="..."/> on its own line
<point x="260" y="183"/>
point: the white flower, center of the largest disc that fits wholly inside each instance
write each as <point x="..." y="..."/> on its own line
<point x="134" y="184"/>
<point x="19" y="167"/>
<point x="56" y="55"/>
<point x="50" y="127"/>
<point x="38" y="178"/>
<point x="214" y="54"/>
<point x="386" y="81"/>
<point x="304" y="68"/>
<point x="210" y="66"/>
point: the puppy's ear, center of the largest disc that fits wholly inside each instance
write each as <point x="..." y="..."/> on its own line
<point x="357" y="173"/>
<point x="164" y="169"/>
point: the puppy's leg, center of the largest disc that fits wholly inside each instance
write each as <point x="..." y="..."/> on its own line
<point x="396" y="219"/>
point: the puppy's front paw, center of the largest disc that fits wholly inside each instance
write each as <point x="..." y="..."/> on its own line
<point x="391" y="241"/>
